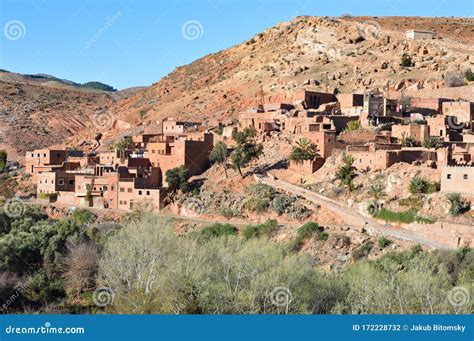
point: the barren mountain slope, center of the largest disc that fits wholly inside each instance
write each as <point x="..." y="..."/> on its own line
<point x="323" y="53"/>
<point x="312" y="52"/>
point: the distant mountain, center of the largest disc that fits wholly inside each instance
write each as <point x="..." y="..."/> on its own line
<point x="50" y="80"/>
<point x="98" y="86"/>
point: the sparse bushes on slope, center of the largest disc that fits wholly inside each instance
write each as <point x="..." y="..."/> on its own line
<point x="457" y="204"/>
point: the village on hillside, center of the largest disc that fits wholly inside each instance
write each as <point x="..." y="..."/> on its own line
<point x="369" y="131"/>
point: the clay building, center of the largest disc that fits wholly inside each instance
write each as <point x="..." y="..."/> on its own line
<point x="419" y="34"/>
<point x="458" y="179"/>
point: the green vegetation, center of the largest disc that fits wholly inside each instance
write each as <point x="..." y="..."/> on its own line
<point x="98" y="86"/>
<point x="177" y="178"/>
<point x="363" y="250"/>
<point x="419" y="185"/>
<point x="266" y="229"/>
<point x="353" y="126"/>
<point x="122" y="146"/>
<point x="457" y="204"/>
<point x="283" y="203"/>
<point x="3" y="159"/>
<point x="469" y="75"/>
<point x="307" y="231"/>
<point x="409" y="142"/>
<point x="376" y="191"/>
<point x="404" y="217"/>
<point x="219" y="155"/>
<point x="216" y="231"/>
<point x="304" y="150"/>
<point x="152" y="270"/>
<point x="432" y="142"/>
<point x="247" y="149"/>
<point x="384" y="242"/>
<point x="406" y="60"/>
<point x="346" y="173"/>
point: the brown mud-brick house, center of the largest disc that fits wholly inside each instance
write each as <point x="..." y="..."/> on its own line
<point x="458" y="179"/>
<point x="460" y="115"/>
<point x="190" y="150"/>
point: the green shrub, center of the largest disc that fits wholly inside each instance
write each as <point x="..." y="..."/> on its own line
<point x="384" y="242"/>
<point x="299" y="212"/>
<point x="305" y="232"/>
<point x="260" y="190"/>
<point x="362" y="251"/>
<point x="255" y="231"/>
<point x="215" y="231"/>
<point x="469" y="75"/>
<point x="353" y="126"/>
<point x="432" y="142"/>
<point x="419" y="185"/>
<point x="282" y="203"/>
<point x="458" y="204"/>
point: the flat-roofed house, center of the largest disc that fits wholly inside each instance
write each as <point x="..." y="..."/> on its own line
<point x="419" y="34"/>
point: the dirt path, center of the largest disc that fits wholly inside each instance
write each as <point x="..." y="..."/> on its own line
<point x="348" y="214"/>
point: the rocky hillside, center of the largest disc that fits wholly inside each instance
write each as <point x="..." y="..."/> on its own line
<point x="347" y="54"/>
<point x="40" y="110"/>
<point x="327" y="54"/>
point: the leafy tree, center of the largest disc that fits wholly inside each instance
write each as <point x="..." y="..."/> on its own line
<point x="247" y="149"/>
<point x="346" y="173"/>
<point x="123" y="145"/>
<point x="219" y="155"/>
<point x="154" y="271"/>
<point x="458" y="204"/>
<point x="432" y="142"/>
<point x="177" y="178"/>
<point x="304" y="150"/>
<point x="3" y="159"/>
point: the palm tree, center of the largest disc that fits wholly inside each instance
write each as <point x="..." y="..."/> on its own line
<point x="304" y="150"/>
<point x="346" y="173"/>
<point x="376" y="191"/>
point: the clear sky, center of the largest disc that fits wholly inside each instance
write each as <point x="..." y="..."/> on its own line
<point x="136" y="42"/>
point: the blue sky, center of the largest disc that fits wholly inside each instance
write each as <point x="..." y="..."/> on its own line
<point x="136" y="42"/>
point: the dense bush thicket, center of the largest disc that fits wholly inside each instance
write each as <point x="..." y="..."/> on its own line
<point x="54" y="265"/>
<point x="154" y="271"/>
